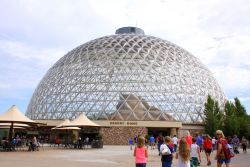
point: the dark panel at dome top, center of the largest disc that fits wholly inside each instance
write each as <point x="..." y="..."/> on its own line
<point x="129" y="30"/>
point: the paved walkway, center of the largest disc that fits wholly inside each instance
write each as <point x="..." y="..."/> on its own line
<point x="109" y="156"/>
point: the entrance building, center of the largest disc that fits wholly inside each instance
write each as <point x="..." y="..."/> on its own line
<point x="119" y="132"/>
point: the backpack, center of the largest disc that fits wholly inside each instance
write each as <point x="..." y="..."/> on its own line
<point x="165" y="150"/>
<point x="227" y="149"/>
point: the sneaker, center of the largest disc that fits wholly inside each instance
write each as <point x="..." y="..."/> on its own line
<point x="209" y="163"/>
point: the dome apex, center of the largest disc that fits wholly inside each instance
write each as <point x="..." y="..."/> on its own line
<point x="129" y="30"/>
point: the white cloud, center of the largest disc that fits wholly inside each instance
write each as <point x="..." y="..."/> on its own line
<point x="4" y="86"/>
<point x="22" y="66"/>
<point x="22" y="51"/>
<point x="233" y="78"/>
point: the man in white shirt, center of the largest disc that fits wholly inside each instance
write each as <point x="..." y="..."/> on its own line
<point x="175" y="142"/>
<point x="214" y="142"/>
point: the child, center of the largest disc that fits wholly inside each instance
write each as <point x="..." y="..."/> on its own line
<point x="167" y="152"/>
<point x="140" y="153"/>
<point x="183" y="154"/>
<point x="195" y="154"/>
<point x="131" y="143"/>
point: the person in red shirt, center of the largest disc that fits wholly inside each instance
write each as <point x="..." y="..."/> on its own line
<point x="207" y="145"/>
<point x="188" y="138"/>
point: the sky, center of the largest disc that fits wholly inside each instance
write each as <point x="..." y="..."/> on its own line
<point x="34" y="34"/>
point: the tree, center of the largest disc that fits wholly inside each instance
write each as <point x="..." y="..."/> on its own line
<point x="239" y="108"/>
<point x="235" y="119"/>
<point x="230" y="124"/>
<point x="213" y="116"/>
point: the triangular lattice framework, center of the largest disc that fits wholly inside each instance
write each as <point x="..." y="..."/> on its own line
<point x="125" y="77"/>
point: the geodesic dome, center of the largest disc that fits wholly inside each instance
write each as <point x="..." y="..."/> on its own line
<point x="127" y="76"/>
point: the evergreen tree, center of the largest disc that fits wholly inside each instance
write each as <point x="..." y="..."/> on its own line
<point x="235" y="119"/>
<point x="213" y="116"/>
<point x="240" y="109"/>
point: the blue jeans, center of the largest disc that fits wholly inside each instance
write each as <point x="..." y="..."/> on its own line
<point x="166" y="164"/>
<point x="175" y="147"/>
<point x="140" y="165"/>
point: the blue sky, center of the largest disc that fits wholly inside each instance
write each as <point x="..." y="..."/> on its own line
<point x="35" y="34"/>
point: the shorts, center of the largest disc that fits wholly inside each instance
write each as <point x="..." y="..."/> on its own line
<point x="208" y="150"/>
<point x="140" y="164"/>
<point x="194" y="161"/>
<point x="221" y="161"/>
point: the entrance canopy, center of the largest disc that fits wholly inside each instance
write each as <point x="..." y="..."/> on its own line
<point x="82" y="121"/>
<point x="65" y="122"/>
<point x="67" y="128"/>
<point x="14" y="124"/>
<point x="14" y="115"/>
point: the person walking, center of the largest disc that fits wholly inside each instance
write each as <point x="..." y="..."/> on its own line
<point x="207" y="145"/>
<point x="140" y="153"/>
<point x="183" y="154"/>
<point x="167" y="152"/>
<point x="244" y="143"/>
<point x="34" y="144"/>
<point x="220" y="155"/>
<point x="188" y="138"/>
<point x="131" y="143"/>
<point x="214" y="142"/>
<point x="175" y="142"/>
<point x="236" y="143"/>
<point x="199" y="141"/>
<point x="195" y="154"/>
<point x="159" y="142"/>
<point x="152" y="142"/>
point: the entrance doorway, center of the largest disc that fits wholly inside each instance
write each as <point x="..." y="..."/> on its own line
<point x="157" y="131"/>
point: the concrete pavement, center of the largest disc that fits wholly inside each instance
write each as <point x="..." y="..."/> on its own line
<point x="109" y="156"/>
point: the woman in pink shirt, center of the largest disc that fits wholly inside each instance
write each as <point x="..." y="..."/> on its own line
<point x="140" y="153"/>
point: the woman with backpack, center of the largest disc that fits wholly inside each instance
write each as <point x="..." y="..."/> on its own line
<point x="167" y="152"/>
<point x="221" y="155"/>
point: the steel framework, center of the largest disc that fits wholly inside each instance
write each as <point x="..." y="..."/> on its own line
<point x="126" y="77"/>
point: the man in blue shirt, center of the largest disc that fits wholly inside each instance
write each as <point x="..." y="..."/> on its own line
<point x="199" y="141"/>
<point x="152" y="142"/>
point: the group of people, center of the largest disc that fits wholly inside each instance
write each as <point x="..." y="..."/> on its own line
<point x="18" y="142"/>
<point x="80" y="143"/>
<point x="186" y="149"/>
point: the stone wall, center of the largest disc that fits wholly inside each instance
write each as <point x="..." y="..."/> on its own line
<point x="120" y="135"/>
<point x="192" y="128"/>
